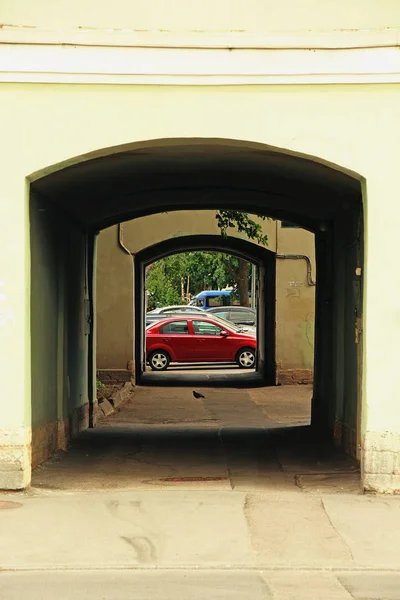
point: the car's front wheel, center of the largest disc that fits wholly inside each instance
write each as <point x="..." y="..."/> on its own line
<point x="246" y="358"/>
<point x="159" y="360"/>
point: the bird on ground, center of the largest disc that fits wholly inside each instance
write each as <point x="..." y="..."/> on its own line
<point x="198" y="395"/>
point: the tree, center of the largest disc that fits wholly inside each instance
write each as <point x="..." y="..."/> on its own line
<point x="162" y="283"/>
<point x="244" y="224"/>
<point x="240" y="275"/>
<point x="170" y="280"/>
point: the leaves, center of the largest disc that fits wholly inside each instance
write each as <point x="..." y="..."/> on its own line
<point x="169" y="280"/>
<point x="243" y="222"/>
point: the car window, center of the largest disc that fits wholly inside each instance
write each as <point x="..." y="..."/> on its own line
<point x="222" y="314"/>
<point x="225" y="323"/>
<point x="242" y="314"/>
<point x="175" y="327"/>
<point x="206" y="328"/>
<point x="215" y="300"/>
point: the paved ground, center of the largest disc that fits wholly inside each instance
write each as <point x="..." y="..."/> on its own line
<point x="222" y="498"/>
<point x="232" y="439"/>
<point x="203" y="374"/>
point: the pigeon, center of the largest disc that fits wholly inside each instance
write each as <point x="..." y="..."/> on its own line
<point x="198" y="395"/>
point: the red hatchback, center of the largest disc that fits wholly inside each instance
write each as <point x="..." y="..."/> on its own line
<point x="198" y="339"/>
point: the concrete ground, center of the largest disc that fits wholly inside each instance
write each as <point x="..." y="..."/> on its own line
<point x="225" y="497"/>
<point x="203" y="374"/>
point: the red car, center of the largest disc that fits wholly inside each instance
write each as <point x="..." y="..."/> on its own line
<point x="198" y="339"/>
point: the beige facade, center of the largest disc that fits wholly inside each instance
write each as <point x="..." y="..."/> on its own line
<point x="114" y="111"/>
<point x="295" y="304"/>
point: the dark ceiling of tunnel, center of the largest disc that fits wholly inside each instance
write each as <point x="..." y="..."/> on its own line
<point x="200" y="174"/>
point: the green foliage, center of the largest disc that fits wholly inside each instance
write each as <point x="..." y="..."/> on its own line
<point x="170" y="280"/>
<point x="163" y="282"/>
<point x="100" y="386"/>
<point x="243" y="222"/>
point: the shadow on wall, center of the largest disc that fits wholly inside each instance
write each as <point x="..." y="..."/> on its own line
<point x="59" y="338"/>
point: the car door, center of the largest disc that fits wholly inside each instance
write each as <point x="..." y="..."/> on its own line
<point x="209" y="344"/>
<point x="175" y="335"/>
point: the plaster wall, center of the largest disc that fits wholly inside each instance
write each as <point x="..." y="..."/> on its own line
<point x="114" y="302"/>
<point x="354" y="126"/>
<point x="59" y="335"/>
<point x="295" y="298"/>
<point x="295" y="301"/>
<point x="224" y="15"/>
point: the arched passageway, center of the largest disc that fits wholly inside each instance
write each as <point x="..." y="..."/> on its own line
<point x="262" y="257"/>
<point x="70" y="204"/>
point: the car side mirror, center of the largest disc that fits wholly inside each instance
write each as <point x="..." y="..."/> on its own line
<point x="224" y="333"/>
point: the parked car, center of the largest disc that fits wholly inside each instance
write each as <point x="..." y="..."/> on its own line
<point x="240" y="315"/>
<point x="156" y="317"/>
<point x="177" y="308"/>
<point x="198" y="339"/>
<point x="158" y="314"/>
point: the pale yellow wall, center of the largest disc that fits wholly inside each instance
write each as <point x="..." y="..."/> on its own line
<point x="354" y="126"/>
<point x="146" y="231"/>
<point x="70" y="120"/>
<point x="295" y="298"/>
<point x="14" y="299"/>
<point x="217" y="15"/>
<point x="114" y="302"/>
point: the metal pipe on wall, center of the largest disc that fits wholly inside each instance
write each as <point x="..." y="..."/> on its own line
<point x="121" y="240"/>
<point x="310" y="280"/>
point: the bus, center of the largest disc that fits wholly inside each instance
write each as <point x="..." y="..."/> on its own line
<point x="211" y="298"/>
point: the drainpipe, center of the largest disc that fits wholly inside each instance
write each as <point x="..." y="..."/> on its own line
<point x="310" y="280"/>
<point x="121" y="240"/>
<point x="132" y="255"/>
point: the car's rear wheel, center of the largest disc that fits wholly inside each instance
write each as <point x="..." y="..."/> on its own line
<point x="246" y="358"/>
<point x="159" y="360"/>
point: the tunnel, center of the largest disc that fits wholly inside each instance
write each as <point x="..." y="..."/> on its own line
<point x="71" y="202"/>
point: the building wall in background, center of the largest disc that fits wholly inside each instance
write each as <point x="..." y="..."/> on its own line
<point x="295" y="297"/>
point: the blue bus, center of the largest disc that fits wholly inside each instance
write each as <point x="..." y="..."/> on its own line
<point x="211" y="298"/>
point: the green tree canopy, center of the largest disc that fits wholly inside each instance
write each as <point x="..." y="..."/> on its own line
<point x="244" y="223"/>
<point x="172" y="279"/>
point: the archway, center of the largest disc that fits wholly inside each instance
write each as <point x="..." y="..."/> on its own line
<point x="145" y="178"/>
<point x="262" y="257"/>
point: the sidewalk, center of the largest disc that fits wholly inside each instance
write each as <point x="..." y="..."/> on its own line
<point x="282" y="544"/>
<point x="177" y="498"/>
